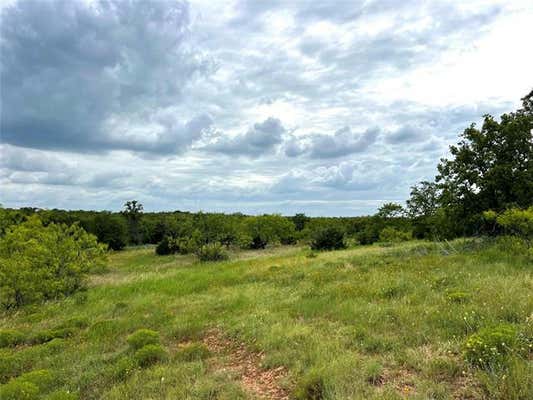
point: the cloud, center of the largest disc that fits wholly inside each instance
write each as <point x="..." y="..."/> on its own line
<point x="323" y="107"/>
<point x="96" y="76"/>
<point x="343" y="142"/>
<point x="258" y="140"/>
<point x="406" y="134"/>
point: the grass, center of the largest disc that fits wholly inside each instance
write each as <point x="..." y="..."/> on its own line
<point x="362" y="323"/>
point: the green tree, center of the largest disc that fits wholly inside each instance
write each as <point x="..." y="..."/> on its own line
<point x="111" y="229"/>
<point x="133" y="212"/>
<point x="391" y="210"/>
<point x="40" y="262"/>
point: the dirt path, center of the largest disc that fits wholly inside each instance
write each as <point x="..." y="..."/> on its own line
<point x="263" y="383"/>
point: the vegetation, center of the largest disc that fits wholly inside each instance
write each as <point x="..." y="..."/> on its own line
<point x="40" y="262"/>
<point x="368" y="322"/>
<point x="451" y="318"/>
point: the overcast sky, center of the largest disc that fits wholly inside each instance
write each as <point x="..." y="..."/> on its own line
<point x="327" y="108"/>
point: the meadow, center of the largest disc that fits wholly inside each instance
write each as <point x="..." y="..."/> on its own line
<point x="368" y="322"/>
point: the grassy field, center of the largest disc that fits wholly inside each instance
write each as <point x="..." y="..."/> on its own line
<point x="364" y="323"/>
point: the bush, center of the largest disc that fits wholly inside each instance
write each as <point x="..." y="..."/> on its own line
<point x="329" y="238"/>
<point x="41" y="378"/>
<point x="165" y="246"/>
<point x="392" y="235"/>
<point x="517" y="222"/>
<point x="150" y="354"/>
<point x="19" y="390"/>
<point x="489" y="347"/>
<point x="211" y="252"/>
<point x="10" y="337"/>
<point x="39" y="263"/>
<point x="142" y="337"/>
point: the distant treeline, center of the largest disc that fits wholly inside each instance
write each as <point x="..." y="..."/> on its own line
<point x="119" y="229"/>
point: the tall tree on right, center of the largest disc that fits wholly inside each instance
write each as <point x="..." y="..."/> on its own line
<point x="491" y="168"/>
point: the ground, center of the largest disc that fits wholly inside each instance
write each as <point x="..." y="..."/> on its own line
<point x="364" y="323"/>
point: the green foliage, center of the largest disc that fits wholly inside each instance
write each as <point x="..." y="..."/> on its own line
<point x="374" y="373"/>
<point x="517" y="222"/>
<point x="390" y="210"/>
<point x="51" y="334"/>
<point x="19" y="390"/>
<point x="133" y="211"/>
<point x="143" y="337"/>
<point x="165" y="246"/>
<point x="111" y="229"/>
<point x="211" y="252"/>
<point x="150" y="354"/>
<point x="260" y="231"/>
<point x="488" y="347"/>
<point x="41" y="378"/>
<point x="11" y="337"/>
<point x="329" y="238"/>
<point x="392" y="235"/>
<point x="61" y="395"/>
<point x="39" y="263"/>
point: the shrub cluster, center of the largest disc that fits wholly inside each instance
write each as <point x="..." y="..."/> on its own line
<point x="211" y="252"/>
<point x="40" y="262"/>
<point x="329" y="238"/>
<point x="146" y="346"/>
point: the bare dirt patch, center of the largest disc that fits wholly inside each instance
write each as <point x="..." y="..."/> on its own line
<point x="246" y="365"/>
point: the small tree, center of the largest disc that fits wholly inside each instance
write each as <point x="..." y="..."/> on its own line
<point x="328" y="238"/>
<point x="39" y="263"/>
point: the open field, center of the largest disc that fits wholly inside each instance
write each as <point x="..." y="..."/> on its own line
<point x="363" y="323"/>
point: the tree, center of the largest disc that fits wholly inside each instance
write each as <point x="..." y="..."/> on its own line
<point x="423" y="201"/>
<point x="390" y="210"/>
<point x="133" y="213"/>
<point x="111" y="229"/>
<point x="299" y="220"/>
<point x="40" y="262"/>
<point x="491" y="168"/>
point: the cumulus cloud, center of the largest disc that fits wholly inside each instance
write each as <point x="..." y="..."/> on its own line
<point x="249" y="106"/>
<point x="95" y="76"/>
<point x="261" y="138"/>
<point x="341" y="143"/>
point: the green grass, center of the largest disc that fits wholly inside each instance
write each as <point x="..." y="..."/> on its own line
<point x="362" y="323"/>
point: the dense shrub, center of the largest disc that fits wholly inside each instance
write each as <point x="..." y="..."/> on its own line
<point x="211" y="252"/>
<point x="39" y="263"/>
<point x="10" y="337"/>
<point x="142" y="337"/>
<point x="392" y="235"/>
<point x="329" y="238"/>
<point x="517" y="222"/>
<point x="488" y="347"/>
<point x="165" y="246"/>
<point x="112" y="230"/>
<point x="19" y="390"/>
<point x="41" y="378"/>
<point x="149" y="354"/>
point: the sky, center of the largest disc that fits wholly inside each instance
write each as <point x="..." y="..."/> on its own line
<point x="327" y="108"/>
